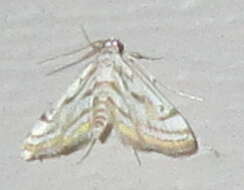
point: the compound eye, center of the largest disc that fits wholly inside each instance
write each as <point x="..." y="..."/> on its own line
<point x="115" y="43"/>
<point x="108" y="44"/>
<point x="120" y="46"/>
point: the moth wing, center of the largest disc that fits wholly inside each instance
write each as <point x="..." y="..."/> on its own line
<point x="66" y="127"/>
<point x="152" y="122"/>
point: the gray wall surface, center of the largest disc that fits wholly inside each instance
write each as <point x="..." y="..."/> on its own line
<point x="202" y="44"/>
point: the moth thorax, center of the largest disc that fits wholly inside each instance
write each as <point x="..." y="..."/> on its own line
<point x="105" y="60"/>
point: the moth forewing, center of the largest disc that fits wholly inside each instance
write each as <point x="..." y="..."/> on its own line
<point x="111" y="93"/>
<point x="65" y="127"/>
<point x="162" y="128"/>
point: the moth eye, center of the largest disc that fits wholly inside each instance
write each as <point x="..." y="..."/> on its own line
<point x="120" y="46"/>
<point x="114" y="42"/>
<point x="44" y="117"/>
<point x="108" y="44"/>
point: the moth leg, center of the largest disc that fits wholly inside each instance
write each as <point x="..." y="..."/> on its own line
<point x="138" y="133"/>
<point x="140" y="142"/>
<point x="93" y="142"/>
<point x="86" y="56"/>
<point x="142" y="71"/>
<point x="136" y="55"/>
<point x="137" y="124"/>
<point x="137" y="156"/>
<point x="178" y="92"/>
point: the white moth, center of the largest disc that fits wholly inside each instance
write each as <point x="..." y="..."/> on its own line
<point x="112" y="93"/>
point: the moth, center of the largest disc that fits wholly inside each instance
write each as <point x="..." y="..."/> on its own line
<point x="113" y="93"/>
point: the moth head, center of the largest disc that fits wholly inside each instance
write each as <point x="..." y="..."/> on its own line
<point x="114" y="45"/>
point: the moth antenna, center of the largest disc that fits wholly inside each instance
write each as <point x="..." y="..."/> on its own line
<point x="95" y="44"/>
<point x="71" y="52"/>
<point x="86" y="56"/>
<point x="86" y="35"/>
<point x="62" y="55"/>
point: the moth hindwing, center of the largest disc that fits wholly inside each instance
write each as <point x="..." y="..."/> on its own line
<point x="111" y="93"/>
